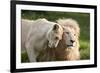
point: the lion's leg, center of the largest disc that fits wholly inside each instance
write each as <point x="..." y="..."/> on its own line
<point x="31" y="53"/>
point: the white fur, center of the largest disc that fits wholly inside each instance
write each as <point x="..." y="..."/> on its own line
<point x="37" y="35"/>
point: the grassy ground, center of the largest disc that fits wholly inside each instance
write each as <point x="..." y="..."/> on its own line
<point x="82" y="18"/>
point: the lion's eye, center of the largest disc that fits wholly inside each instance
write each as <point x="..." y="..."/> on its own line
<point x="67" y="32"/>
<point x="56" y="38"/>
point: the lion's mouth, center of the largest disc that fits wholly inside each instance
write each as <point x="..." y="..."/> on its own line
<point x="69" y="45"/>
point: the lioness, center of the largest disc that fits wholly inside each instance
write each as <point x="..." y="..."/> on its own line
<point x="38" y="34"/>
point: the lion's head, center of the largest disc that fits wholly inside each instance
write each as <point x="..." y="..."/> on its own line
<point x="54" y="35"/>
<point x="71" y="32"/>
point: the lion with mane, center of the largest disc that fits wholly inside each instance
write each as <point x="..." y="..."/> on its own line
<point x="68" y="47"/>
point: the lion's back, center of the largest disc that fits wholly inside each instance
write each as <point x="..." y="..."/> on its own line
<point x="34" y="30"/>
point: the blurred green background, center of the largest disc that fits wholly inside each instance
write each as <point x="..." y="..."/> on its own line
<point x="82" y="18"/>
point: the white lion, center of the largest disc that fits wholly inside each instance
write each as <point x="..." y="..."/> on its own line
<point x="71" y="37"/>
<point x="38" y="34"/>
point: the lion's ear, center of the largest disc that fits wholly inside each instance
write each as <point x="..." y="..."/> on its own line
<point x="63" y="27"/>
<point x="55" y="27"/>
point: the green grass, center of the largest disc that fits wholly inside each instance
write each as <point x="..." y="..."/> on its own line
<point x="84" y="49"/>
<point x="82" y="18"/>
<point x="24" y="57"/>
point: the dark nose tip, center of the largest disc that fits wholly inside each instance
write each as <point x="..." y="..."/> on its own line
<point x="72" y="41"/>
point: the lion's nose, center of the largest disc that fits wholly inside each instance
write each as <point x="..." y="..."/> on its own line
<point x="72" y="41"/>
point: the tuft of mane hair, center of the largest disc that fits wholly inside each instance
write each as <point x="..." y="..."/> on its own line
<point x="70" y="23"/>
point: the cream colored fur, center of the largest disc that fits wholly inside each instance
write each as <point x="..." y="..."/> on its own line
<point x="38" y="34"/>
<point x="63" y="51"/>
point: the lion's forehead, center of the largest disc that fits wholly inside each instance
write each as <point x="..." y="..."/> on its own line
<point x="70" y="30"/>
